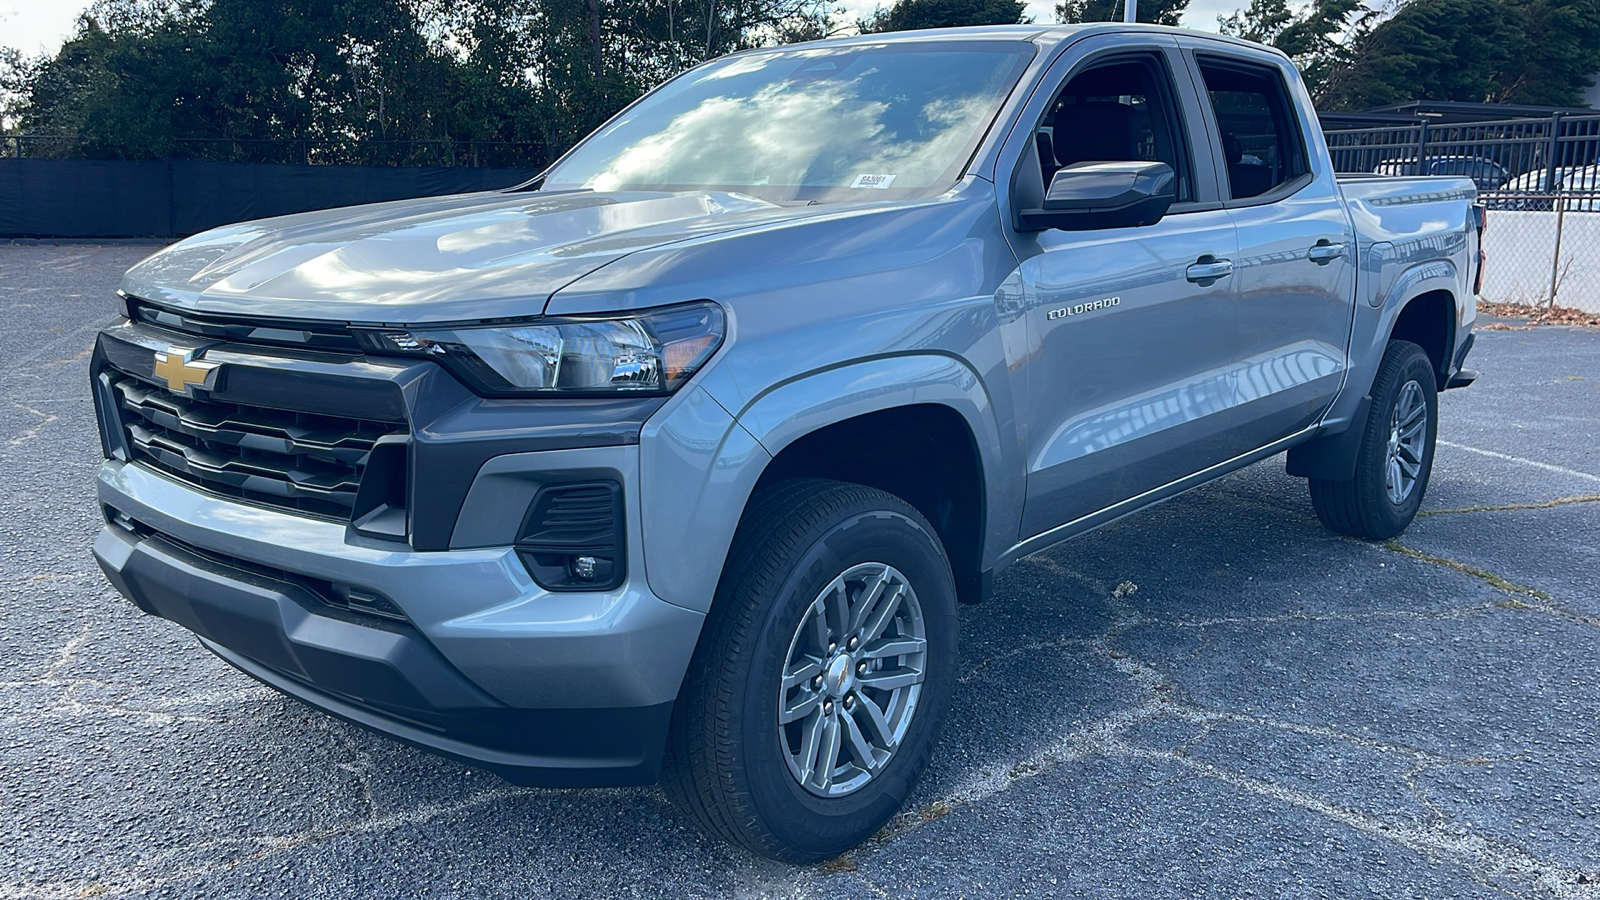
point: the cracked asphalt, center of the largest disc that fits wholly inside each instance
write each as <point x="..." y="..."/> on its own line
<point x="1212" y="698"/>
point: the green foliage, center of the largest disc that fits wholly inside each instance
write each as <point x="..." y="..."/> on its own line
<point x="1262" y="22"/>
<point x="1156" y="12"/>
<point x="908" y="15"/>
<point x="1435" y="50"/>
<point x="1312" y="37"/>
<point x="139" y="75"/>
<point x="1486" y="51"/>
<point x="1566" y="38"/>
<point x="141" y="78"/>
<point x="16" y="75"/>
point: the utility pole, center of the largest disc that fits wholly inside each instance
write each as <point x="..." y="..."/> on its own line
<point x="1130" y="11"/>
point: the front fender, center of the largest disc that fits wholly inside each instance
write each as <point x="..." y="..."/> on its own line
<point x="697" y="467"/>
<point x="799" y="407"/>
<point x="699" y="463"/>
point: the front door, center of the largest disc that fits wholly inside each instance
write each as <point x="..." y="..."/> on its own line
<point x="1131" y="331"/>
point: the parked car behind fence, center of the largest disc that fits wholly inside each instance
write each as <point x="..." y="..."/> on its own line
<point x="1577" y="186"/>
<point x="1506" y="157"/>
<point x="1487" y="174"/>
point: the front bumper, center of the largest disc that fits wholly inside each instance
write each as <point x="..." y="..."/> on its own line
<point x="556" y="689"/>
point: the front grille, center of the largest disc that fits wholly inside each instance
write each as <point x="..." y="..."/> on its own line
<point x="253" y="330"/>
<point x="304" y="462"/>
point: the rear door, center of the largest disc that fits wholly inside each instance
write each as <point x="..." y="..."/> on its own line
<point x="1128" y="330"/>
<point x="1295" y="275"/>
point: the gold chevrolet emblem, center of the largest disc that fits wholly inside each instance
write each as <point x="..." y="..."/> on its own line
<point x="181" y="369"/>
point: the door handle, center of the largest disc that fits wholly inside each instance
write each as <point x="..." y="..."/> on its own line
<point x="1208" y="269"/>
<point x="1325" y="252"/>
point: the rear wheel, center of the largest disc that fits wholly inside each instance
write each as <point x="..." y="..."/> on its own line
<point x="824" y="674"/>
<point x="1396" y="454"/>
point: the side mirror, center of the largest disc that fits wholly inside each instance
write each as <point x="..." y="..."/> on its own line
<point x="1090" y="195"/>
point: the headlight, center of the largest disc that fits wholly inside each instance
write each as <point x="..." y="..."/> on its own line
<point x="649" y="352"/>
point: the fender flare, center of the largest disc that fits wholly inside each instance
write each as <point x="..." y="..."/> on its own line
<point x="792" y="409"/>
<point x="700" y="463"/>
<point x="1332" y="456"/>
<point x="1435" y="276"/>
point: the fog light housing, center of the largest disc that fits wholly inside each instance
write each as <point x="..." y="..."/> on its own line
<point x="584" y="567"/>
<point x="572" y="537"/>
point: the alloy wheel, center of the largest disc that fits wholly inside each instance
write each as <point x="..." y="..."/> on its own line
<point x="851" y="679"/>
<point x="1408" y="438"/>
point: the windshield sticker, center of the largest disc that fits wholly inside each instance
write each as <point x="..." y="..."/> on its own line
<point x="872" y="181"/>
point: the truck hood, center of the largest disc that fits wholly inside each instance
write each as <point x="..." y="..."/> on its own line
<point x="463" y="257"/>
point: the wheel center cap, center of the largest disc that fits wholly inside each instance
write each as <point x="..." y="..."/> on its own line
<point x="840" y="676"/>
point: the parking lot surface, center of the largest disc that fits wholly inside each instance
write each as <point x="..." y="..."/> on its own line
<point x="1214" y="697"/>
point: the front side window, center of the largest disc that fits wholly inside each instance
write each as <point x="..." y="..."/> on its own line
<point x="1115" y="112"/>
<point x="1261" y="140"/>
<point x="834" y="123"/>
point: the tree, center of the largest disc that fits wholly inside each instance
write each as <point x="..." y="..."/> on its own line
<point x="909" y="15"/>
<point x="144" y="78"/>
<point x="1311" y="37"/>
<point x="1486" y="51"/>
<point x="1155" y="12"/>
<point x="139" y="76"/>
<point x="1565" y="38"/>
<point x="16" y="74"/>
<point x="579" y="81"/>
<point x="1262" y="22"/>
<point x="1434" y="50"/>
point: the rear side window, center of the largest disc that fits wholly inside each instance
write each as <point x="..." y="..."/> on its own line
<point x="1261" y="139"/>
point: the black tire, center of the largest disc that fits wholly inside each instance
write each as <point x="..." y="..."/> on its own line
<point x="725" y="766"/>
<point x="1362" y="507"/>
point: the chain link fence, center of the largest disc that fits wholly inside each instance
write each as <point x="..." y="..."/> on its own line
<point x="1539" y="177"/>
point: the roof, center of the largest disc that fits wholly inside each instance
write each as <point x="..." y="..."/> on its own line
<point x="1035" y="33"/>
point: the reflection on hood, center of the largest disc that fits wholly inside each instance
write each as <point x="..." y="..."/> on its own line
<point x="439" y="259"/>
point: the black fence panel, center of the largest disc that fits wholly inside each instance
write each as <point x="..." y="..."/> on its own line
<point x="315" y="152"/>
<point x="47" y="198"/>
<point x="208" y="194"/>
<point x="87" y="198"/>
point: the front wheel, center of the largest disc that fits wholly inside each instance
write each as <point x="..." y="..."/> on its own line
<point x="1396" y="454"/>
<point x="824" y="675"/>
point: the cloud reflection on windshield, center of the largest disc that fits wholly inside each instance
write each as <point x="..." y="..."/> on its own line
<point x="797" y="120"/>
<point x="824" y="135"/>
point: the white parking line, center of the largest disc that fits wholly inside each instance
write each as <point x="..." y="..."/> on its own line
<point x="1527" y="462"/>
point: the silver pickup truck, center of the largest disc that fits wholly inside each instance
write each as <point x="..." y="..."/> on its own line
<point x="675" y="461"/>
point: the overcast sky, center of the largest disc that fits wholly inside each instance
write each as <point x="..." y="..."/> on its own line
<point x="35" y="26"/>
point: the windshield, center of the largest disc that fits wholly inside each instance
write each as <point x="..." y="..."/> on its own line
<point x="850" y="122"/>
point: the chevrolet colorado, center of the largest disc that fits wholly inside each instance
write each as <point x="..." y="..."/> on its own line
<point x="675" y="461"/>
